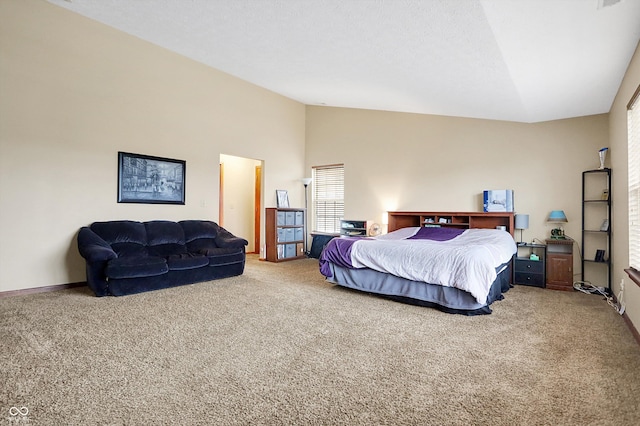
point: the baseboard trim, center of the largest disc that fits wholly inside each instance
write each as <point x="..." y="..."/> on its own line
<point x="44" y="289"/>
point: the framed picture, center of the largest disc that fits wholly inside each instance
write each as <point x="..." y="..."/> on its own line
<point x="150" y="180"/>
<point x="282" y="198"/>
<point x="498" y="200"/>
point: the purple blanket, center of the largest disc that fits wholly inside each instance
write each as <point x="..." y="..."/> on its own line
<point x="338" y="250"/>
<point x="436" y="233"/>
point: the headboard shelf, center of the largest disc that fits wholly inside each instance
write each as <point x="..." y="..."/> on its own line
<point x="464" y="220"/>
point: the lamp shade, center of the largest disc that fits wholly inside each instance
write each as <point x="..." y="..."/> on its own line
<point x="306" y="181"/>
<point x="557" y="216"/>
<point x="522" y="221"/>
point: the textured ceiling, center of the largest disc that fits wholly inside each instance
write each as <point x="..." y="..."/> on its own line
<point x="524" y="60"/>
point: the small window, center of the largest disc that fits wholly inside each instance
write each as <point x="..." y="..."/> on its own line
<point x="328" y="197"/>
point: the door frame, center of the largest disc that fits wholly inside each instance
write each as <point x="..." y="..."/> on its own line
<point x="257" y="209"/>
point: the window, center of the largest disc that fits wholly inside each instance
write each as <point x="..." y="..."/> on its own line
<point x="633" y="123"/>
<point x="328" y="197"/>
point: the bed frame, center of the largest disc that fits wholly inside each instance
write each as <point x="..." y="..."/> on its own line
<point x="447" y="299"/>
<point x="461" y="220"/>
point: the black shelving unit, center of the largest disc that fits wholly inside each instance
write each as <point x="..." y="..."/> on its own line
<point x="596" y="209"/>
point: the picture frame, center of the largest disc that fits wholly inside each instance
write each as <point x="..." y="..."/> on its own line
<point x="282" y="198"/>
<point x="605" y="225"/>
<point x="150" y="180"/>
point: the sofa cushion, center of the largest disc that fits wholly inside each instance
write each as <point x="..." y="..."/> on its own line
<point x="126" y="237"/>
<point x="136" y="267"/>
<point x="223" y="256"/>
<point x="165" y="238"/>
<point x="199" y="234"/>
<point x="180" y="262"/>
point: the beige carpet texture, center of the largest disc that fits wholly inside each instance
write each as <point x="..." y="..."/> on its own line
<point x="281" y="346"/>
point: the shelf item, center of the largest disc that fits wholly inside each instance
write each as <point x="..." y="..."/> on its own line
<point x="353" y="228"/>
<point x="560" y="264"/>
<point x="529" y="265"/>
<point x="284" y="234"/>
<point x="463" y="220"/>
<point x="596" y="227"/>
<point x="498" y="200"/>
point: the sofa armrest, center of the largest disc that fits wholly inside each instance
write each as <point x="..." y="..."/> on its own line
<point x="93" y="248"/>
<point x="226" y="239"/>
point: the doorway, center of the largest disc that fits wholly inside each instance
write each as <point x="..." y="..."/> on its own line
<point x="240" y="202"/>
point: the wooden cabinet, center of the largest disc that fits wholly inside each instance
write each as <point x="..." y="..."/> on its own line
<point x="560" y="264"/>
<point x="462" y="220"/>
<point x="284" y="234"/>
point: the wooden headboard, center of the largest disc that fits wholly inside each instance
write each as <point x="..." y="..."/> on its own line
<point x="462" y="220"/>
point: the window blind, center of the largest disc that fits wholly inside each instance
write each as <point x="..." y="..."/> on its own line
<point x="328" y="197"/>
<point x="633" y="123"/>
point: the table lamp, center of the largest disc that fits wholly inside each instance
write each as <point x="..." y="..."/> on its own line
<point x="522" y="222"/>
<point x="558" y="217"/>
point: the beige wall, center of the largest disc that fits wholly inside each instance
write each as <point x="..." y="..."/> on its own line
<point x="73" y="93"/>
<point x="620" y="196"/>
<point x="398" y="161"/>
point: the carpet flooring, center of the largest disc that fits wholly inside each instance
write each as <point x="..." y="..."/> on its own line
<point x="280" y="346"/>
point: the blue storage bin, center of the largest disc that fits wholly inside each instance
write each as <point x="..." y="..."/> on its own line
<point x="290" y="218"/>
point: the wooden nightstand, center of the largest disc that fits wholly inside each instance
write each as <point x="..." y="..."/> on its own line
<point x="560" y="264"/>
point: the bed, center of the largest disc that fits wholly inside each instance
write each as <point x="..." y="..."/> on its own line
<point x="460" y="271"/>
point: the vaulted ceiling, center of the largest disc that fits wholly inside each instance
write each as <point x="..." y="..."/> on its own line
<point x="524" y="60"/>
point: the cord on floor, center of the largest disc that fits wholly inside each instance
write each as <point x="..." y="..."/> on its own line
<point x="587" y="287"/>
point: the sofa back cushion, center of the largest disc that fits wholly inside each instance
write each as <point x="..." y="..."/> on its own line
<point x="126" y="237"/>
<point x="200" y="235"/>
<point x="165" y="238"/>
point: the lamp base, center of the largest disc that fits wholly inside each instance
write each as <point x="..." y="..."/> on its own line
<point x="557" y="234"/>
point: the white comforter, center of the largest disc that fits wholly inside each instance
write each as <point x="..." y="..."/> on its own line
<point x="467" y="262"/>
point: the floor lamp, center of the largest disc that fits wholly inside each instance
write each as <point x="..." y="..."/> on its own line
<point x="305" y="182"/>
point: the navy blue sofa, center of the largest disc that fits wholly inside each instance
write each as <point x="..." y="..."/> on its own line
<point x="127" y="257"/>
